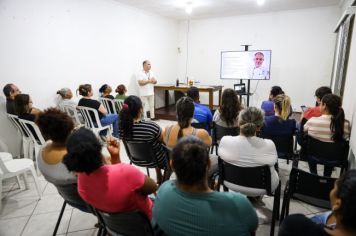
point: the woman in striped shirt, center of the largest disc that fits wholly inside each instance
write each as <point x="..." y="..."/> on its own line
<point x="331" y="126"/>
<point x="132" y="128"/>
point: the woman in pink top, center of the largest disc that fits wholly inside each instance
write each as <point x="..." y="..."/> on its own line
<point x="109" y="188"/>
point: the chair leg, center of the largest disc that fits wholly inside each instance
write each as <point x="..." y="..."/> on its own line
<point x="148" y="172"/>
<point x="0" y="192"/>
<point x="18" y="181"/>
<point x="25" y="180"/>
<point x="59" y="218"/>
<point x="34" y="175"/>
<point x="37" y="152"/>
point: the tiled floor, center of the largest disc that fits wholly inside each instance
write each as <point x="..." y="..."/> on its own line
<point x="24" y="214"/>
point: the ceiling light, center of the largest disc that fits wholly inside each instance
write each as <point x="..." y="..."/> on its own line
<point x="260" y="2"/>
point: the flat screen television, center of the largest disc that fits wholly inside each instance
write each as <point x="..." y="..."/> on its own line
<point x="254" y="64"/>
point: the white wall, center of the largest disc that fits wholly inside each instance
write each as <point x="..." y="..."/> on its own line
<point x="49" y="44"/>
<point x="302" y="44"/>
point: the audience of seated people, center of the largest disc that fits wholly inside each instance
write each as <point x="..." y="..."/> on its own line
<point x="121" y="91"/>
<point x="65" y="98"/>
<point x="342" y="219"/>
<point x="279" y="124"/>
<point x="315" y="111"/>
<point x="109" y="188"/>
<point x="202" y="113"/>
<point x="247" y="150"/>
<point x="105" y="91"/>
<point x="331" y="126"/>
<point x="187" y="206"/>
<point x="228" y="112"/>
<point x="133" y="128"/>
<point x="106" y="119"/>
<point x="268" y="106"/>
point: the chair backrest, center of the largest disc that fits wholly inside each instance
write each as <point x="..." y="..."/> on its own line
<point x="252" y="177"/>
<point x="284" y="144"/>
<point x="198" y="125"/>
<point x="3" y="168"/>
<point x="310" y="188"/>
<point x="70" y="194"/>
<point x="118" y="104"/>
<point x="109" y="105"/>
<point x="330" y="151"/>
<point x="33" y="130"/>
<point x="220" y="131"/>
<point x="72" y="112"/>
<point x="128" y="223"/>
<point x="140" y="154"/>
<point x="15" y="120"/>
<point x="90" y="116"/>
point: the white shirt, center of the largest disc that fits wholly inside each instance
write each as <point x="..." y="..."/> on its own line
<point x="148" y="89"/>
<point x="261" y="72"/>
<point x="249" y="152"/>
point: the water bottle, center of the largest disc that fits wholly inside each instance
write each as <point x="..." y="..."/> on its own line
<point x="177" y="82"/>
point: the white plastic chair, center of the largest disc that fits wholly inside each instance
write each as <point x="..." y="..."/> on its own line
<point x="118" y="104"/>
<point x="109" y="105"/>
<point x="73" y="113"/>
<point x="36" y="137"/>
<point x="15" y="168"/>
<point x="94" y="125"/>
<point x="27" y="143"/>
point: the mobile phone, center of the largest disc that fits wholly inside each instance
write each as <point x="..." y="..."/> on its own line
<point x="304" y="108"/>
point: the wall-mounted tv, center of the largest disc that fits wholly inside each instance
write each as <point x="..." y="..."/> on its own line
<point x="254" y="64"/>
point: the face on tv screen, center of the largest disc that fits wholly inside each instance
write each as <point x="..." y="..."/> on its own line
<point x="246" y="65"/>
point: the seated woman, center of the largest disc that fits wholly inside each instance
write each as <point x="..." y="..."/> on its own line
<point x="228" y="112"/>
<point x="23" y="107"/>
<point x="55" y="127"/>
<point x="279" y="124"/>
<point x="106" y="119"/>
<point x="132" y="128"/>
<point x="331" y="126"/>
<point x="268" y="106"/>
<point x="65" y="98"/>
<point x="105" y="91"/>
<point x="247" y="150"/>
<point x="187" y="206"/>
<point x="343" y="204"/>
<point x="185" y="113"/>
<point x="121" y="90"/>
<point x="110" y="188"/>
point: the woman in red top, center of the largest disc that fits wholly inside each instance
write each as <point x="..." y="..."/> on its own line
<point x="109" y="188"/>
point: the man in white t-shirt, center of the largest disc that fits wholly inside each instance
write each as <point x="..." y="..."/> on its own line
<point x="146" y="82"/>
<point x="258" y="71"/>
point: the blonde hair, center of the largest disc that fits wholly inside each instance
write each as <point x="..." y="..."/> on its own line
<point x="282" y="104"/>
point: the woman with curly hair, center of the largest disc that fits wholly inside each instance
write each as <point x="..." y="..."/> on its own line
<point x="228" y="112"/>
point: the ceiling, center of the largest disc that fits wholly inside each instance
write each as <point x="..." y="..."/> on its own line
<point x="217" y="8"/>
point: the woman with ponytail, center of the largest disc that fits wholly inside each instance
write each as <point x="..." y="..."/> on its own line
<point x="185" y="113"/>
<point x="86" y="101"/>
<point x="247" y="150"/>
<point x="133" y="128"/>
<point x="187" y="206"/>
<point x="279" y="124"/>
<point x="331" y="126"/>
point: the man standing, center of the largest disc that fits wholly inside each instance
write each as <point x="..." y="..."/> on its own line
<point x="259" y="71"/>
<point x="10" y="92"/>
<point x="146" y="80"/>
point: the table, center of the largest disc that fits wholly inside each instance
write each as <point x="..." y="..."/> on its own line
<point x="210" y="89"/>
